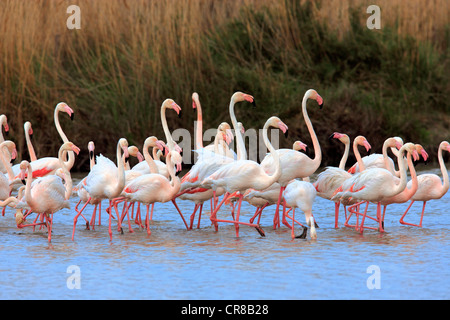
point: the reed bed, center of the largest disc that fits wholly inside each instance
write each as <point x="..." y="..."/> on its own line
<point x="129" y="56"/>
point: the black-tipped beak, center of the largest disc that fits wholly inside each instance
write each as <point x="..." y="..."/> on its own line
<point x="303" y="235"/>
<point x="91" y="154"/>
<point x="253" y="102"/>
<point x="426" y="162"/>
<point x="71" y="116"/>
<point x="307" y="150"/>
<point x="321" y="105"/>
<point x="331" y="137"/>
<point x="126" y="159"/>
<point x="31" y="136"/>
<point x="6" y="133"/>
<point x="23" y="181"/>
<point x="179" y="114"/>
<point x="11" y="161"/>
<point x="286" y="133"/>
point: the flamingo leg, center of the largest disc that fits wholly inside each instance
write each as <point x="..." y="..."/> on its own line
<point x="293" y="226"/>
<point x="421" y="217"/>
<point x="213" y="217"/>
<point x="50" y="226"/>
<point x="147" y="222"/>
<point x="336" y="214"/>
<point x="258" y="210"/>
<point x="93" y="217"/>
<point x="199" y="216"/>
<point x="78" y="214"/>
<point x="99" y="213"/>
<point x="181" y="215"/>
<point x="361" y="227"/>
<point x="110" y="216"/>
<point x="193" y="216"/>
<point x="276" y="218"/>
<point x="236" y="225"/>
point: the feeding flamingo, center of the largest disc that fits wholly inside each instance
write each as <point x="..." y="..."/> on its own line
<point x="430" y="186"/>
<point x="301" y="194"/>
<point x="296" y="164"/>
<point x="375" y="185"/>
<point x="47" y="195"/>
<point x="241" y="175"/>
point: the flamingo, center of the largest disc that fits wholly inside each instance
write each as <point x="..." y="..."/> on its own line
<point x="154" y="187"/>
<point x="48" y="165"/>
<point x="301" y="194"/>
<point x="329" y="180"/>
<point x="430" y="185"/>
<point x="5" y="188"/>
<point x="375" y="185"/>
<point x="4" y="125"/>
<point x="106" y="180"/>
<point x="47" y="195"/>
<point x="296" y="164"/>
<point x="28" y="130"/>
<point x="241" y="175"/>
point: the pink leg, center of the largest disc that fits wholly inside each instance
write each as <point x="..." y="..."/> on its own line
<point x="200" y="216"/>
<point x="50" y="221"/>
<point x="293" y="227"/>
<point x="213" y="217"/>
<point x="361" y="227"/>
<point x="99" y="213"/>
<point x="76" y="217"/>
<point x="147" y="222"/>
<point x="236" y="225"/>
<point x="181" y="215"/>
<point x="110" y="216"/>
<point x="336" y="214"/>
<point x="255" y="215"/>
<point x="193" y="216"/>
<point x="93" y="217"/>
<point x="276" y="218"/>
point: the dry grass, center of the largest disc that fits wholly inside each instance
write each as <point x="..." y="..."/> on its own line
<point x="130" y="53"/>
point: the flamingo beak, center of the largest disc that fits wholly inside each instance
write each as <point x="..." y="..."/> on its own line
<point x="13" y="154"/>
<point x="415" y="155"/>
<point x="125" y="153"/>
<point x="250" y="99"/>
<point x="22" y="176"/>
<point x="229" y="136"/>
<point x="283" y="127"/>
<point x="6" y="129"/>
<point x="75" y="149"/>
<point x="91" y="154"/>
<point x="69" y="111"/>
<point x="160" y="145"/>
<point x="319" y="100"/>
<point x="367" y="145"/>
<point x="398" y="145"/>
<point x="424" y="156"/>
<point x="194" y="105"/>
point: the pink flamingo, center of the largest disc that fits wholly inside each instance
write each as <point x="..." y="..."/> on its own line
<point x="5" y="188"/>
<point x="106" y="180"/>
<point x="154" y="187"/>
<point x="241" y="175"/>
<point x="296" y="164"/>
<point x="47" y="195"/>
<point x="28" y="130"/>
<point x="375" y="185"/>
<point x="48" y="165"/>
<point x="329" y="180"/>
<point x="430" y="185"/>
<point x="301" y="194"/>
<point x="4" y="125"/>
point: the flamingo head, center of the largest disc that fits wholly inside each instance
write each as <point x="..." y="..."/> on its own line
<point x="69" y="146"/>
<point x="240" y="96"/>
<point x="276" y="122"/>
<point x="195" y="100"/>
<point x="27" y="128"/>
<point x="298" y="145"/>
<point x="445" y="145"/>
<point x="23" y="168"/>
<point x="62" y="106"/>
<point x="362" y="141"/>
<point x="225" y="128"/>
<point x="398" y="142"/>
<point x="161" y="145"/>
<point x="91" y="148"/>
<point x="423" y="153"/>
<point x="134" y="151"/>
<point x="176" y="107"/>
<point x="177" y="160"/>
<point x="312" y="94"/>
<point x="241" y="127"/>
<point x="341" y="136"/>
<point x="123" y="143"/>
<point x="4" y="121"/>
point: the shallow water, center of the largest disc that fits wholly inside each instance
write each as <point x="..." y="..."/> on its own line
<point x="174" y="263"/>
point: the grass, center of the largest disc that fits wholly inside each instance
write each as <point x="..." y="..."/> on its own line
<point x="131" y="55"/>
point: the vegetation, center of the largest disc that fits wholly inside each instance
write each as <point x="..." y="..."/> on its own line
<point x="129" y="56"/>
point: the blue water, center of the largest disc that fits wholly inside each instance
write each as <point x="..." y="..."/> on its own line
<point x="174" y="263"/>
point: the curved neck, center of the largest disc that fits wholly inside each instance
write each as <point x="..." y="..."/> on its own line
<point x="403" y="176"/>
<point x="240" y="146"/>
<point x="63" y="136"/>
<point x="199" y="127"/>
<point x="345" y="156"/>
<point x="361" y="165"/>
<point x="92" y="162"/>
<point x="29" y="199"/>
<point x="315" y="141"/>
<point x="151" y="163"/>
<point x="217" y="140"/>
<point x="386" y="159"/>
<point x="174" y="180"/>
<point x="409" y="192"/>
<point x="277" y="173"/>
<point x="120" y="172"/>
<point x="30" y="146"/>
<point x="67" y="177"/>
<point x="8" y="201"/>
<point x="170" y="142"/>
<point x="445" y="185"/>
<point x="5" y="163"/>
